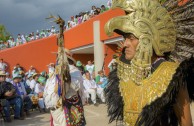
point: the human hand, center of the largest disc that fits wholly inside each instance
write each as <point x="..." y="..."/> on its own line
<point x="99" y="82"/>
<point x="8" y="93"/>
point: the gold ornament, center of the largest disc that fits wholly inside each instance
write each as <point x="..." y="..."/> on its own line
<point x="135" y="96"/>
<point x="151" y="24"/>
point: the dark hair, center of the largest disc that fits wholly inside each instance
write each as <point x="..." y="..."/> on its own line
<point x="70" y="61"/>
<point x="114" y="56"/>
<point x="102" y="6"/>
<point x="101" y="71"/>
<point x="87" y="71"/>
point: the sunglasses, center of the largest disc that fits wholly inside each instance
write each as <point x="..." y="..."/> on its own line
<point x="2" y="76"/>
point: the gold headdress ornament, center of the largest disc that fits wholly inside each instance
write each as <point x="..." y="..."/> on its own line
<point x="152" y="24"/>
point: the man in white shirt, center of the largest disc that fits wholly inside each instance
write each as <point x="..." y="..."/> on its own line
<point x="34" y="81"/>
<point x="90" y="67"/>
<point x="53" y="30"/>
<point x="31" y="70"/>
<point x="90" y="87"/>
<point x="8" y="78"/>
<point x="3" y="65"/>
<point x="29" y="79"/>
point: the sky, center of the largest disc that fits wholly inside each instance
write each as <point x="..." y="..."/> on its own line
<point x="26" y="16"/>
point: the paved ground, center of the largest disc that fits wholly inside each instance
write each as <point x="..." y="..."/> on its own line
<point x="95" y="116"/>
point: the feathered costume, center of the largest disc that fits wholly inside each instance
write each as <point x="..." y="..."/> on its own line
<point x="140" y="92"/>
<point x="61" y="90"/>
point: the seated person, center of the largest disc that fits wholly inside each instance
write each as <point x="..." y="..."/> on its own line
<point x="101" y="81"/>
<point x="28" y="80"/>
<point x="9" y="97"/>
<point x="33" y="82"/>
<point x="8" y="79"/>
<point x="90" y="87"/>
<point x="21" y="91"/>
<point x="39" y="90"/>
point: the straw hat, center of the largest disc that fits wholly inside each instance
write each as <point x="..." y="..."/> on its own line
<point x="35" y="74"/>
<point x="2" y="73"/>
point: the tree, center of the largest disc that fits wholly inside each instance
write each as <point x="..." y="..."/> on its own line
<point x="4" y="34"/>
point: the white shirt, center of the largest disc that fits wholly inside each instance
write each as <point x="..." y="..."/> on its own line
<point x="88" y="84"/>
<point x="31" y="71"/>
<point x="51" y="69"/>
<point x="8" y="80"/>
<point x="38" y="88"/>
<point x="32" y="84"/>
<point x="53" y="30"/>
<point x="28" y="82"/>
<point x="3" y="66"/>
<point x="23" y="39"/>
<point x="73" y="24"/>
<point x="90" y="68"/>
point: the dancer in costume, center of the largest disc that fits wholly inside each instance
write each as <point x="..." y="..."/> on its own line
<point x="61" y="90"/>
<point x="153" y="84"/>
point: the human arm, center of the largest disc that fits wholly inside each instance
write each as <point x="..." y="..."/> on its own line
<point x="98" y="80"/>
<point x="36" y="89"/>
<point x="182" y="108"/>
<point x="23" y="89"/>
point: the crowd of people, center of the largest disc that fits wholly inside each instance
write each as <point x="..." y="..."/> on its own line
<point x="84" y="16"/>
<point x="23" y="89"/>
<point x="74" y="21"/>
<point x="22" y="38"/>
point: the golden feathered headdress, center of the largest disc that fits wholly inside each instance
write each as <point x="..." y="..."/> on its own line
<point x="162" y="26"/>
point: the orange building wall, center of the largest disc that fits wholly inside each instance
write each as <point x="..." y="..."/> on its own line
<point x="36" y="53"/>
<point x="82" y="34"/>
<point x="110" y="49"/>
<point x="84" y="58"/>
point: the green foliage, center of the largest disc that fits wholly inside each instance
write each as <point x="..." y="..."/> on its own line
<point x="4" y="34"/>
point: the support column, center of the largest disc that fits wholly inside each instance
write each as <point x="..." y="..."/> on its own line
<point x="98" y="48"/>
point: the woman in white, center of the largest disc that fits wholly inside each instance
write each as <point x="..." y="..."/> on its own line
<point x="101" y="81"/>
<point x="29" y="79"/>
<point x="39" y="90"/>
<point x="90" y="87"/>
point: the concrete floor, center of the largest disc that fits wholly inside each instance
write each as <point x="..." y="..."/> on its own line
<point x="95" y="116"/>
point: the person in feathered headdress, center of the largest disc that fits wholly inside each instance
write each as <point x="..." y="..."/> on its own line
<point x="62" y="90"/>
<point x="154" y="80"/>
